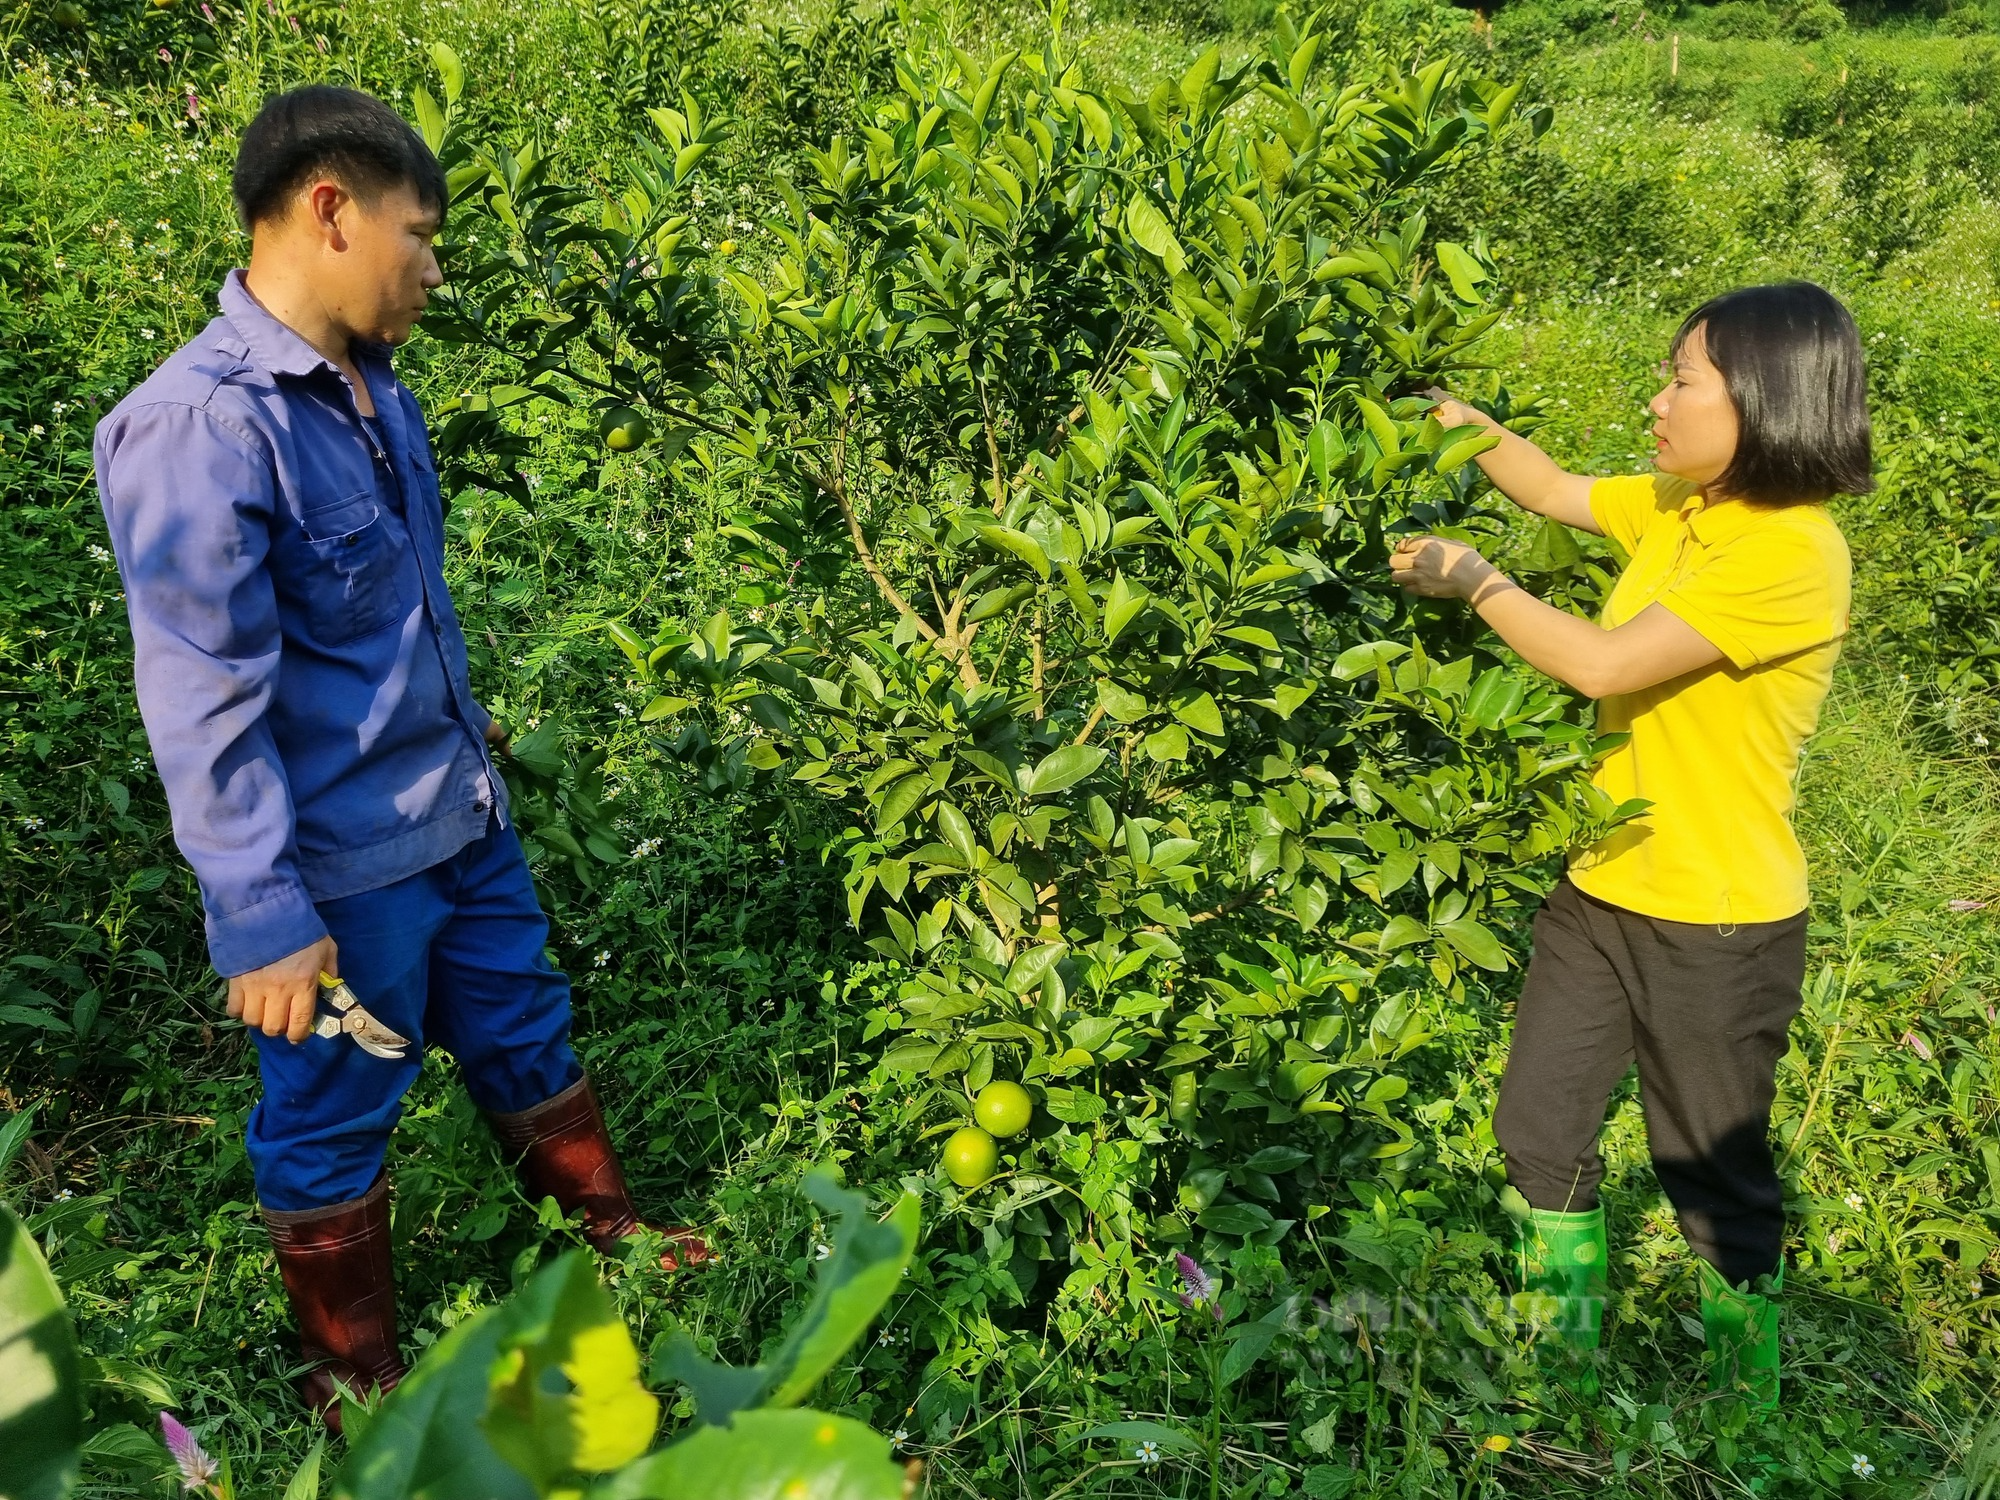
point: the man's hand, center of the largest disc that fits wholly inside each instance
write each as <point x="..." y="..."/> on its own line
<point x="281" y="996"/>
<point x="497" y="735"/>
<point x="1435" y="568"/>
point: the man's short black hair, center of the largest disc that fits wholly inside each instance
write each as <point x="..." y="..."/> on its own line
<point x="352" y="137"/>
<point x="1791" y="359"/>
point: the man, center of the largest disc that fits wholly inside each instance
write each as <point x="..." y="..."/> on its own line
<point x="276" y="515"/>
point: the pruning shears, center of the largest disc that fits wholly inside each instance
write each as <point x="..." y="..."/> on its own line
<point x="344" y="1012"/>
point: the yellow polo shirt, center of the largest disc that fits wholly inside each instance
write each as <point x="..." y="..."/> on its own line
<point x="1716" y="751"/>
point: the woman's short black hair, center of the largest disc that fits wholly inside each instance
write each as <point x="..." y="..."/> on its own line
<point x="1791" y="359"/>
<point x="352" y="137"/>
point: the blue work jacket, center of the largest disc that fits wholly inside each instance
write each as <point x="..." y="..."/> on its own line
<point x="300" y="668"/>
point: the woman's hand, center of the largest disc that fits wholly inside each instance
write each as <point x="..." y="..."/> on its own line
<point x="1452" y="412"/>
<point x="1434" y="568"/>
<point x="1520" y="470"/>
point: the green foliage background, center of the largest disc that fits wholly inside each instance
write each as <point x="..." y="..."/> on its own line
<point x="723" y="1000"/>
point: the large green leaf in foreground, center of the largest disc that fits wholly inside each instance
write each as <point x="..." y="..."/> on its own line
<point x="41" y="1406"/>
<point x="766" y="1455"/>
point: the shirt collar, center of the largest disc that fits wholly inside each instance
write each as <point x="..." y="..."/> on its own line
<point x="1714" y="521"/>
<point x="276" y="346"/>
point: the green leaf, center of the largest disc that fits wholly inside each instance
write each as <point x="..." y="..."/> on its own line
<point x="1197" y="81"/>
<point x="540" y="750"/>
<point x="1150" y="230"/>
<point x="1465" y="272"/>
<point x="1452" y="455"/>
<point x="900" y="800"/>
<point x="1062" y="769"/>
<point x="1124" y="705"/>
<point x="1239" y="1219"/>
<point x="426" y="1441"/>
<point x="1494" y="698"/>
<point x="13" y="1136"/>
<point x="131" y="1379"/>
<point x="1166" y="1439"/>
<point x="1553" y="549"/>
<point x="1073" y="1106"/>
<point x="766" y="1455"/>
<point x="1476" y="941"/>
<point x="1359" y="661"/>
<point x="430" y="119"/>
<point x="957" y="831"/>
<point x="1401" y="932"/>
<point x="1390" y="1086"/>
<point x="913" y="1054"/>
<point x="1381" y="426"/>
<point x="1123" y="603"/>
<point x="1199" y="713"/>
<point x="1249" y="1341"/>
<point x="1326" y="450"/>
<point x="854" y="1282"/>
<point x="1275" y="1159"/>
<point x="1023" y="546"/>
<point x="41" y="1380"/>
<point x="564" y="1392"/>
<point x="662" y="706"/>
<point x="452" y="73"/>
<point x="1032" y="966"/>
<point x="304" y="1483"/>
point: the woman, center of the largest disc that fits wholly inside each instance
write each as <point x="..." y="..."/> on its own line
<point x="1679" y="940"/>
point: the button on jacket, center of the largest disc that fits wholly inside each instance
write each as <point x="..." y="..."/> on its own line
<point x="301" y="671"/>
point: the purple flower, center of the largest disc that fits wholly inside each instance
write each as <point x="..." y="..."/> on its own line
<point x="1197" y="1286"/>
<point x="165" y="55"/>
<point x="197" y="1468"/>
<point x="1917" y="1045"/>
<point x="1963" y="904"/>
<point x="209" y="13"/>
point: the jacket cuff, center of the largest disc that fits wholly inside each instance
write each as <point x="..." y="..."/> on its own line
<point x="256" y="935"/>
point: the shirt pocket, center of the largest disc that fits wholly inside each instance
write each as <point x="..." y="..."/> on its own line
<point x="352" y="591"/>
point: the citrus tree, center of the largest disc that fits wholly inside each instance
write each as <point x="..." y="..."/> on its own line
<point x="1065" y="430"/>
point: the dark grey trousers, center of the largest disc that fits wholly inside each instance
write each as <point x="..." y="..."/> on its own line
<point x="1703" y="1011"/>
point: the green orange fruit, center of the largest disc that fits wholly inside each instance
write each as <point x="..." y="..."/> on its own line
<point x="970" y="1157"/>
<point x="623" y="429"/>
<point x="1003" y="1108"/>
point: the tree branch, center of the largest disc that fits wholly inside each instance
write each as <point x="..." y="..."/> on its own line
<point x="1000" y="489"/>
<point x="834" y="486"/>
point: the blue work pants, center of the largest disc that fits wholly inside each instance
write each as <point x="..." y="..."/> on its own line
<point x="450" y="957"/>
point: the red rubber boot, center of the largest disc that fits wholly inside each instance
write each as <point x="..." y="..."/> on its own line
<point x="340" y="1277"/>
<point x="562" y="1151"/>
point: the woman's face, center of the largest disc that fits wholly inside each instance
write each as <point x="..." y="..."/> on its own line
<point x="1695" y="422"/>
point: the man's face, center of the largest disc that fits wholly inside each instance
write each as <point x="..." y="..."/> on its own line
<point x="377" y="267"/>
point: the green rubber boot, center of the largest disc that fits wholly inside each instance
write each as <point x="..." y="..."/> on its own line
<point x="1741" y="1328"/>
<point x="1565" y="1256"/>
